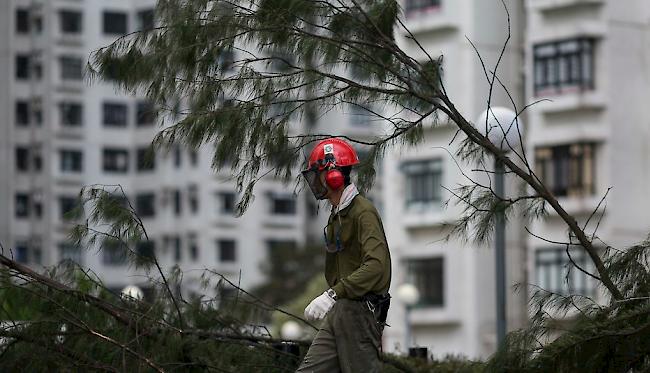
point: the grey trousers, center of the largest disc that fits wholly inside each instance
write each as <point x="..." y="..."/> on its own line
<point x="348" y="341"/>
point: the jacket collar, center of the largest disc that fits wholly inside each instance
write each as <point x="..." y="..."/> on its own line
<point x="347" y="209"/>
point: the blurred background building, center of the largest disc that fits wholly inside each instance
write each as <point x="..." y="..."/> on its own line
<point x="456" y="278"/>
<point x="61" y="133"/>
<point x="588" y="56"/>
<point x="587" y="60"/>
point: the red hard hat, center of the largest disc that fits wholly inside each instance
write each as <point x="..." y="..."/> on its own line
<point x="331" y="153"/>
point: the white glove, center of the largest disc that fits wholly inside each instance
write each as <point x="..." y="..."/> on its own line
<point x="319" y="307"/>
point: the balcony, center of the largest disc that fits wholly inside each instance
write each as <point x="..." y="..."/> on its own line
<point x="433" y="19"/>
<point x="557" y="5"/>
<point x="434" y="316"/>
<point x="571" y="99"/>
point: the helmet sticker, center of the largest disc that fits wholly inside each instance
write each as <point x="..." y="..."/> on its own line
<point x="328" y="148"/>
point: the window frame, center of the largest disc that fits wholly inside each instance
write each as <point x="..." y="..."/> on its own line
<point x="558" y="262"/>
<point x="22" y="18"/>
<point x="418" y="6"/>
<point x="108" y="26"/>
<point x="71" y="202"/>
<point x="23" y="66"/>
<point x="145" y="161"/>
<point x="76" y="160"/>
<point x="568" y="169"/>
<point x="226" y="246"/>
<point x="145" y="113"/>
<point x="71" y="109"/>
<point x="420" y="273"/>
<point x="143" y="22"/>
<point x="145" y="204"/>
<point x="69" y="72"/>
<point x="75" y="13"/>
<point x="115" y="114"/>
<point x="111" y="157"/>
<point x="286" y="200"/>
<point x="416" y="197"/>
<point x="556" y="69"/>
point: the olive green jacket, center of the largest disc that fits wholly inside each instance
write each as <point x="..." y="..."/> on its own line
<point x="363" y="265"/>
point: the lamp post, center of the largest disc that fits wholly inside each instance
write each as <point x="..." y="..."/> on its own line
<point x="503" y="128"/>
<point x="290" y="330"/>
<point x="132" y="292"/>
<point x="409" y="295"/>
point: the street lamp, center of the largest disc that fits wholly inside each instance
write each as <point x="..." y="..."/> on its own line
<point x="290" y="330"/>
<point x="409" y="295"/>
<point x="503" y="128"/>
<point x="132" y="292"/>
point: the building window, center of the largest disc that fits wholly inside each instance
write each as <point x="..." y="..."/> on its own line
<point x="145" y="113"/>
<point x="70" y="252"/>
<point x="194" y="248"/>
<point x="178" y="248"/>
<point x="28" y="159"/>
<point x="227" y="250"/>
<point x="71" y="160"/>
<point x="71" y="21"/>
<point x="427" y="275"/>
<point x="554" y="271"/>
<point x="37" y="159"/>
<point x="22" y="67"/>
<point x="113" y="253"/>
<point x="71" y="114"/>
<point x="116" y="160"/>
<point x="146" y="19"/>
<point x="21" y="252"/>
<point x="566" y="64"/>
<point x="226" y="202"/>
<point x="177" y="156"/>
<point x="114" y="114"/>
<point x="22" y="21"/>
<point x="146" y="159"/>
<point x="412" y="6"/>
<point x="66" y="205"/>
<point x="115" y="23"/>
<point x="71" y="68"/>
<point x="423" y="184"/>
<point x="22" y="159"/>
<point x="146" y="249"/>
<point x="568" y="170"/>
<point x="178" y="206"/>
<point x="145" y="205"/>
<point x="22" y="205"/>
<point x="22" y="113"/>
<point x="282" y="204"/>
<point x="194" y="157"/>
<point x="193" y="197"/>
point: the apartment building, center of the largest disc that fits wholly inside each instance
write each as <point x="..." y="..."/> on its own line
<point x="61" y="133"/>
<point x="455" y="278"/>
<point x="590" y="141"/>
<point x="587" y="139"/>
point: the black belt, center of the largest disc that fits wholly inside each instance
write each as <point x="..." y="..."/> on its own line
<point x="378" y="304"/>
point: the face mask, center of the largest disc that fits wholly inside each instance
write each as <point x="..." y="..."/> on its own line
<point x="312" y="177"/>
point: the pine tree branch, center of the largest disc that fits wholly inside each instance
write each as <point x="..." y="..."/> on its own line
<point x="97" y="302"/>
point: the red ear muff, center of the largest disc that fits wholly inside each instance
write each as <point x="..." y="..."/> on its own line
<point x="334" y="179"/>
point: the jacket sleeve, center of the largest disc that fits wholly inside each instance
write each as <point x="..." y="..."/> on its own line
<point x="375" y="262"/>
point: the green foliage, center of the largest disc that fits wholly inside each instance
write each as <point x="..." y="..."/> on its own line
<point x="292" y="56"/>
<point x="288" y="272"/>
